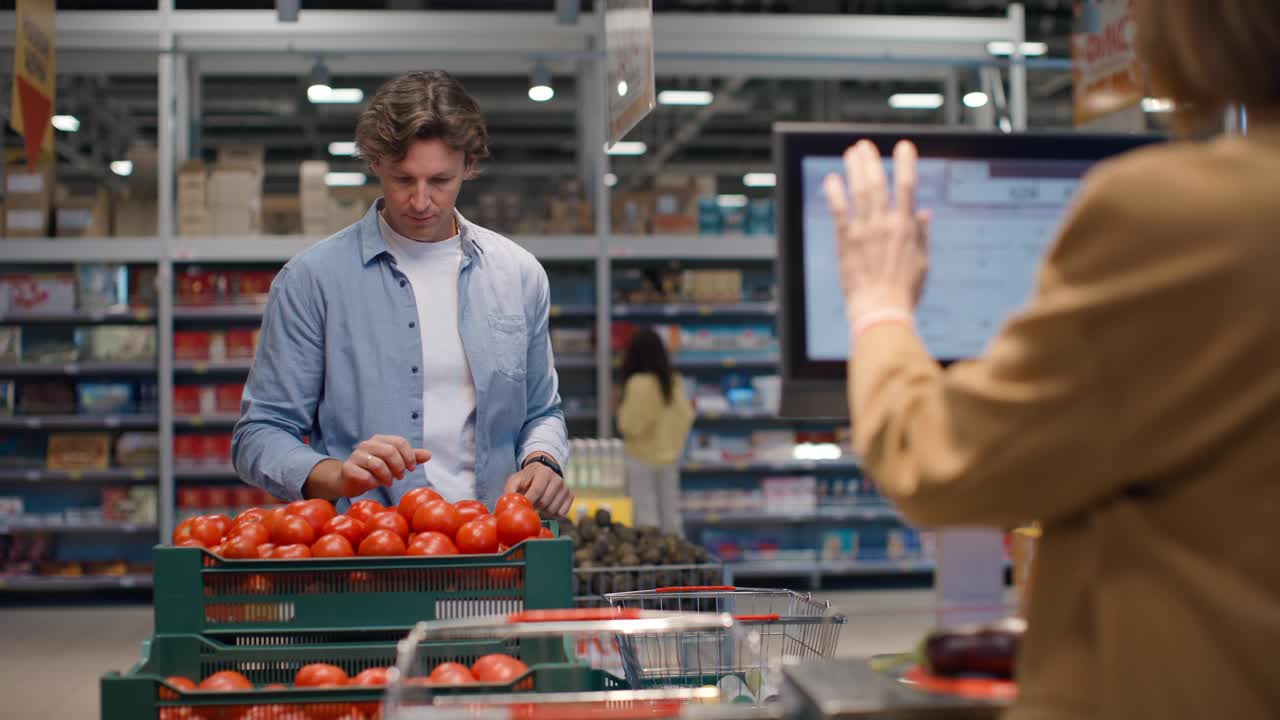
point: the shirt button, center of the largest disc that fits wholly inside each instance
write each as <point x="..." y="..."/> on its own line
<point x="415" y="368"/>
<point x="403" y="283"/>
<point x="413" y="324"/>
<point x="414" y="416"/>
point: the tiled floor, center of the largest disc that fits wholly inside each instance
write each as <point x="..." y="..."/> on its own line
<point x="53" y="657"/>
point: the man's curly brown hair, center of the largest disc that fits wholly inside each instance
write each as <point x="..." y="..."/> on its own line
<point x="421" y="105"/>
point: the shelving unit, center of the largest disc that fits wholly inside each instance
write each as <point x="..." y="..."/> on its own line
<point x="78" y="422"/>
<point x="77" y="368"/>
<point x="78" y="584"/>
<point x="65" y="528"/>
<point x="110" y="475"/>
<point x="834" y="514"/>
<point x="218" y="420"/>
<point x="771" y="466"/>
<point x="814" y="571"/>
<point x="766" y="309"/>
<point x="90" y="317"/>
<point x="218" y="312"/>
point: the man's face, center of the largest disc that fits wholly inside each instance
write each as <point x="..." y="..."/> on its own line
<point x="420" y="190"/>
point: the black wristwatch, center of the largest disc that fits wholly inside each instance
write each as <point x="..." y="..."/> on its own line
<point x="544" y="460"/>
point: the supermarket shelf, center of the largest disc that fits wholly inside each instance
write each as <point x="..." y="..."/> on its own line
<point x="866" y="512"/>
<point x="844" y="464"/>
<point x="218" y="312"/>
<point x="727" y="361"/>
<point x="575" y="361"/>
<point x="573" y="311"/>
<point x="581" y="414"/>
<point x="201" y="367"/>
<point x="768" y="309"/>
<point x="77" y="250"/>
<point x="560" y="247"/>
<point x="204" y="472"/>
<point x="792" y="568"/>
<point x="738" y="415"/>
<point x="78" y="368"/>
<point x="219" y="420"/>
<point x="110" y="475"/>
<point x="80" y="584"/>
<point x="64" y="528"/>
<point x="77" y="422"/>
<point x="280" y="248"/>
<point x="87" y="317"/>
<point x="693" y="247"/>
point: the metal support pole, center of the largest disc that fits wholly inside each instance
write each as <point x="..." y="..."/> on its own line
<point x="195" y="102"/>
<point x="952" y="107"/>
<point x="1018" y="68"/>
<point x="596" y="99"/>
<point x="164" y="272"/>
<point x="182" y="109"/>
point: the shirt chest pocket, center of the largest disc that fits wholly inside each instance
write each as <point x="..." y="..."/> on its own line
<point x="509" y="340"/>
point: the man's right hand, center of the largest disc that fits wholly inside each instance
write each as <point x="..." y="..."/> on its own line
<point x="380" y="460"/>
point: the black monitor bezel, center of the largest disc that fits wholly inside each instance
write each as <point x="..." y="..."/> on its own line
<point x="794" y="141"/>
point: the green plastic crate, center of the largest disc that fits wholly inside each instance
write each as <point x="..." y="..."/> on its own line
<point x="142" y="694"/>
<point x="200" y="594"/>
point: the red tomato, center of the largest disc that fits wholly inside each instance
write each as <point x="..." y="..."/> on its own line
<point x="264" y="550"/>
<point x="451" y="673"/>
<point x="518" y="524"/>
<point x="498" y="668"/>
<point x="410" y="501"/>
<point x="382" y="542"/>
<point x="249" y="514"/>
<point x="390" y="520"/>
<point x="180" y="682"/>
<point x="240" y="547"/>
<point x="190" y="542"/>
<point x="509" y="500"/>
<point x="257" y="584"/>
<point x="372" y="676"/>
<point x="546" y="534"/>
<point x="216" y="549"/>
<point x="432" y="543"/>
<point x="183" y="531"/>
<point x="226" y="680"/>
<point x="493" y="521"/>
<point x="332" y="545"/>
<point x="293" y="530"/>
<point x="210" y="529"/>
<point x="437" y="516"/>
<point x="472" y="504"/>
<point x="316" y="512"/>
<point x="273" y="517"/>
<point x="255" y="531"/>
<point x="348" y="527"/>
<point x="291" y="552"/>
<point x="477" y="536"/>
<point x="364" y="510"/>
<point x="321" y="675"/>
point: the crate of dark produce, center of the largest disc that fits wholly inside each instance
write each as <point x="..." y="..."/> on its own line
<point x="609" y="557"/>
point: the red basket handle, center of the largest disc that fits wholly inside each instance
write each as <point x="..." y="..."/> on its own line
<point x="758" y="618"/>
<point x="596" y="710"/>
<point x="697" y="588"/>
<point x="574" y="615"/>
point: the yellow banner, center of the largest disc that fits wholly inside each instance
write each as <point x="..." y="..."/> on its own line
<point x="33" y="77"/>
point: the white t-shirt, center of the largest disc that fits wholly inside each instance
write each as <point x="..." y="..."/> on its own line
<point x="448" y="390"/>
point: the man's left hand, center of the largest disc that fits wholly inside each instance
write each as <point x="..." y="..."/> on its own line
<point x="544" y="488"/>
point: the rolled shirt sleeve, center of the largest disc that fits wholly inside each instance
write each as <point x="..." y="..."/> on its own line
<point x="544" y="428"/>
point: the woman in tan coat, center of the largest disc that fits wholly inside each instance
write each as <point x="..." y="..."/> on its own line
<point x="1133" y="407"/>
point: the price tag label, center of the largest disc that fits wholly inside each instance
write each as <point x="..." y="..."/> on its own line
<point x="111" y="421"/>
<point x="671" y="310"/>
<point x="142" y="314"/>
<point x="3" y="584"/>
<point x="729" y="362"/>
<point x="713" y="518"/>
<point x="197" y="420"/>
<point x="693" y="466"/>
<point x="97" y="316"/>
<point x="705" y="310"/>
<point x="33" y="476"/>
<point x="71" y="369"/>
<point x="138" y="474"/>
<point x="200" y="368"/>
<point x="33" y="423"/>
<point x="740" y="466"/>
<point x="712" y="415"/>
<point x="555" y="311"/>
<point x="74" y="475"/>
<point x="128" y="582"/>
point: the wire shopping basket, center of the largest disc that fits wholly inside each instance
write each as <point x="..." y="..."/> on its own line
<point x="551" y="644"/>
<point x="781" y="624"/>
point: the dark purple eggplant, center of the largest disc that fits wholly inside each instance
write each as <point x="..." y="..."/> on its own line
<point x="974" y="650"/>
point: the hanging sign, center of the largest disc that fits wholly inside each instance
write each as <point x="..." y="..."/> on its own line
<point x="33" y="77"/>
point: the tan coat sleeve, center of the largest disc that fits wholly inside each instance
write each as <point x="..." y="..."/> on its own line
<point x="1014" y="436"/>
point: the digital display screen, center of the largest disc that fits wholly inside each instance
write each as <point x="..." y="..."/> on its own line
<point x="993" y="221"/>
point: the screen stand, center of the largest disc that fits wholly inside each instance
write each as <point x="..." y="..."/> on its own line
<point x="968" y="580"/>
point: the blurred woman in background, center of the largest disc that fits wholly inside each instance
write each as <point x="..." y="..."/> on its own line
<point x="654" y="417"/>
<point x="1133" y="407"/>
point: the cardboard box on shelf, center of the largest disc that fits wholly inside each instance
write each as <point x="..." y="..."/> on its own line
<point x="136" y="218"/>
<point x="194" y="219"/>
<point x="313" y="196"/>
<point x="246" y="156"/>
<point x="39" y="293"/>
<point x="29" y="195"/>
<point x="144" y="178"/>
<point x="233" y="187"/>
<point x="79" y="451"/>
<point x="237" y="220"/>
<point x="83" y="215"/>
<point x="281" y="214"/>
<point x="26" y="222"/>
<point x="632" y="213"/>
<point x="675" y="212"/>
<point x="346" y="206"/>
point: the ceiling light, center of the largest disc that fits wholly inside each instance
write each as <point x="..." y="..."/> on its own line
<point x="916" y="101"/>
<point x="1157" y="105"/>
<point x="760" y="179"/>
<point x="123" y="168"/>
<point x="732" y="201"/>
<point x="319" y="82"/>
<point x="540" y="89"/>
<point x="342" y="148"/>
<point x="345" y="179"/>
<point x="321" y="94"/>
<point x="627" y="147"/>
<point x="1004" y="48"/>
<point x="685" y="97"/>
<point x="610" y="179"/>
<point x="976" y="100"/>
<point x="622" y="88"/>
<point x="65" y="123"/>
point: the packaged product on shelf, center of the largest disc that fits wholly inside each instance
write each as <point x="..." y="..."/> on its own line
<point x="79" y="451"/>
<point x="143" y="504"/>
<point x="774" y="444"/>
<point x="186" y="399"/>
<point x="346" y="206"/>
<point x="191" y="502"/>
<point x="632" y="213"/>
<point x="7" y="400"/>
<point x="142" y="286"/>
<point x="194" y="219"/>
<point x="245" y="496"/>
<point x="313" y="194"/>
<point x="10" y="344"/>
<point x="191" y="345"/>
<point x="759" y="218"/>
<point x="571" y="340"/>
<point x="147" y="397"/>
<point x="675" y="202"/>
<point x="281" y="214"/>
<point x="838" y="545"/>
<point x="250" y="287"/>
<point x="197" y="286"/>
<point x="790" y="495"/>
<point x="219" y="500"/>
<point x="710" y="216"/>
<point x="138" y="449"/>
<point x="50" y="345"/>
<point x="28" y="197"/>
<point x="122" y="343"/>
<point x="216" y="449"/>
<point x="37" y="294"/>
<point x="86" y="215"/>
<point x="47" y="397"/>
<point x="228" y="397"/>
<point x="235" y="201"/>
<point x="11" y="506"/>
<point x="241" y="343"/>
<point x="115" y="504"/>
<point x="101" y="286"/>
<point x="187" y="450"/>
<point x="104" y="397"/>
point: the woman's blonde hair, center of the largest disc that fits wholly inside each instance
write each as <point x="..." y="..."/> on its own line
<point x="1207" y="55"/>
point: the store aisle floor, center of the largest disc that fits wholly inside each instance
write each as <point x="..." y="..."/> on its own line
<point x="53" y="657"/>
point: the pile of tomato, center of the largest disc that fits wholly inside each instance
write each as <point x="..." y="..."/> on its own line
<point x="423" y="523"/>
